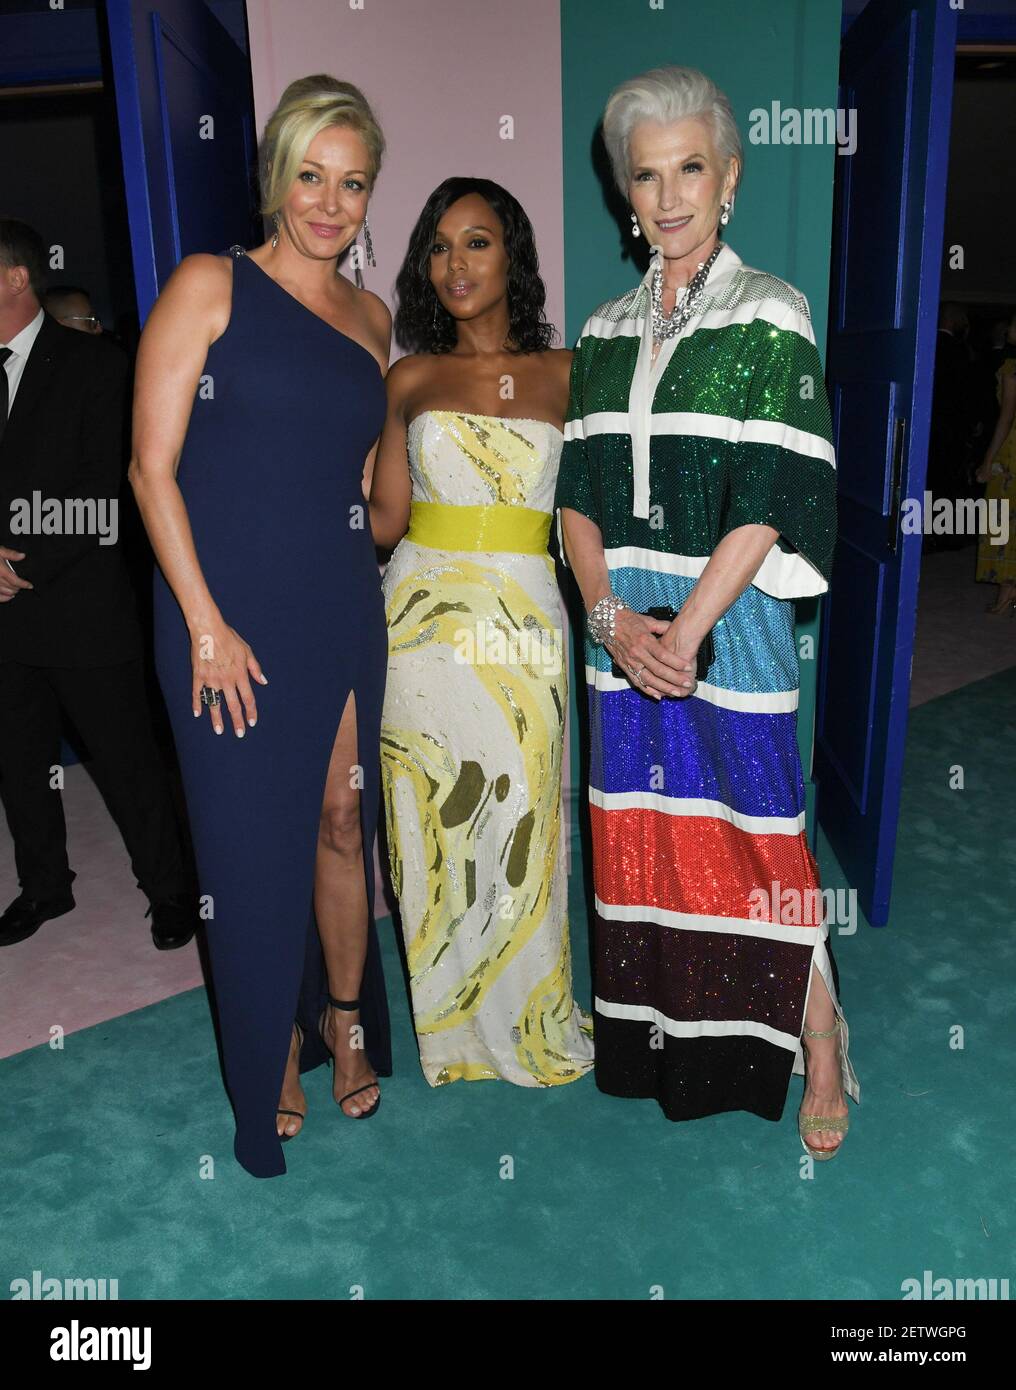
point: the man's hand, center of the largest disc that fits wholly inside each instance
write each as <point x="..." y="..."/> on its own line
<point x="10" y="583"/>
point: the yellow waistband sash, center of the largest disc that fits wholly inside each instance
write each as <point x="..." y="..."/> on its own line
<point x="441" y="526"/>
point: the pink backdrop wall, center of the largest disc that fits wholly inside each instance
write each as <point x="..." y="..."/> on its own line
<point x="441" y="77"/>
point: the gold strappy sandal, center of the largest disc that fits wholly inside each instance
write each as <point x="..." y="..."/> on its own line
<point x="811" y="1124"/>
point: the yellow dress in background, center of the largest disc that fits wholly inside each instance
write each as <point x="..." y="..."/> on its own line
<point x="472" y="737"/>
<point x="997" y="563"/>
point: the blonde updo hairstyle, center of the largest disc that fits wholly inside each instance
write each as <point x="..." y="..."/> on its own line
<point x="308" y="106"/>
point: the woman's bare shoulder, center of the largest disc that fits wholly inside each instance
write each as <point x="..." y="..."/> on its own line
<point x="561" y="360"/>
<point x="203" y="273"/>
<point x="200" y="289"/>
<point x="375" y="307"/>
<point x="407" y="375"/>
<point x="370" y="310"/>
<point x="412" y="369"/>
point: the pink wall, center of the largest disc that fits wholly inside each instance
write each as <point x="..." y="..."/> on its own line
<point x="440" y="75"/>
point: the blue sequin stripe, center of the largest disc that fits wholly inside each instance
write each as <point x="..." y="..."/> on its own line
<point x="754" y="640"/>
<point x="749" y="762"/>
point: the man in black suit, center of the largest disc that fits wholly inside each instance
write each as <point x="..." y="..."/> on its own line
<point x="69" y="634"/>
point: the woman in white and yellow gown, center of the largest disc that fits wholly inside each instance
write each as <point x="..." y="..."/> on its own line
<point x="472" y="732"/>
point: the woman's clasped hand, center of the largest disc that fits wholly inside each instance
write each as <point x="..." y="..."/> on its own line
<point x="653" y="654"/>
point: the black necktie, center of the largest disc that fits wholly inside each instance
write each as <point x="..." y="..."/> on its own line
<point x="5" y="393"/>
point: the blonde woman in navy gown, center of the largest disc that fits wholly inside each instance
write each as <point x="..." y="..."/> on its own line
<point x="273" y="691"/>
<point x="473" y="727"/>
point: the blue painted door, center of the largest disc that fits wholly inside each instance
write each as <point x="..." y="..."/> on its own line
<point x="183" y="96"/>
<point x="897" y="74"/>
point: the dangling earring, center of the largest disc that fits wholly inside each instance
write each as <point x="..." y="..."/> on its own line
<point x="275" y="238"/>
<point x="725" y="214"/>
<point x="367" y="241"/>
<point x="635" y="226"/>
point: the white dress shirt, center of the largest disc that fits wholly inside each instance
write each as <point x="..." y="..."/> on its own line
<point x="20" y="345"/>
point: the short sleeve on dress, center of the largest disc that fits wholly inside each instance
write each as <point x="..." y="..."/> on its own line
<point x="575" y="483"/>
<point x="782" y="468"/>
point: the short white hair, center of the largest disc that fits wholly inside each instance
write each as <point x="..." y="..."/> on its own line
<point x="664" y="95"/>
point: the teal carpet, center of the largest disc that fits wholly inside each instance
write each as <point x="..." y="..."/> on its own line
<point x="104" y="1142"/>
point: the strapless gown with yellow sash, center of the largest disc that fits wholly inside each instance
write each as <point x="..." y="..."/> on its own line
<point x="472" y="736"/>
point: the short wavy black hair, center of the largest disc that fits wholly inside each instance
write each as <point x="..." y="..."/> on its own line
<point x="423" y="324"/>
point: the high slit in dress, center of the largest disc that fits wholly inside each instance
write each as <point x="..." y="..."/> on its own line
<point x="286" y="412"/>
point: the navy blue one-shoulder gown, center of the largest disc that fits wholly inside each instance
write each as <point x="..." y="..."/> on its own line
<point x="287" y="412"/>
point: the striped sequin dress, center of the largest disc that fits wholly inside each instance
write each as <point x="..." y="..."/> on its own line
<point x="706" y="925"/>
<point x="472" y="737"/>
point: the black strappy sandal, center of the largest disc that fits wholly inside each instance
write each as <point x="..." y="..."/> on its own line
<point x="349" y="1005"/>
<point x="299" y="1114"/>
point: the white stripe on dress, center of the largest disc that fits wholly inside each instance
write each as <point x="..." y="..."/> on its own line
<point x="700" y="1028"/>
<point x="696" y="806"/>
<point x="656" y="561"/>
<point x="781" y="575"/>
<point x="696" y="921"/>
<point x="749" y="702"/>
<point x="774" y="311"/>
<point x="802" y="442"/>
<point x="668" y="423"/>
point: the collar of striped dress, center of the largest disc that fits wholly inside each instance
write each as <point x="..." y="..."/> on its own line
<point x="647" y="372"/>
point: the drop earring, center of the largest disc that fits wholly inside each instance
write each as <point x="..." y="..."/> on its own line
<point x="635" y="226"/>
<point x="368" y="243"/>
<point x="725" y="214"/>
<point x="275" y="236"/>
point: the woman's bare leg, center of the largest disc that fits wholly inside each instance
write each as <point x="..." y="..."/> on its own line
<point x="292" y="1097"/>
<point x="823" y="1090"/>
<point x="340" y="904"/>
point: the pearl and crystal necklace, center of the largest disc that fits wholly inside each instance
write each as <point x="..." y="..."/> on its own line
<point x="666" y="327"/>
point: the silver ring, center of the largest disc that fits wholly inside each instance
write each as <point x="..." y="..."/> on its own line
<point x="209" y="696"/>
<point x="638" y="674"/>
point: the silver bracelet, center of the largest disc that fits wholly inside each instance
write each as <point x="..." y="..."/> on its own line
<point x="602" y="615"/>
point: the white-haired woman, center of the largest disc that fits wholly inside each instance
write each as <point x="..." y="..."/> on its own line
<point x="259" y="399"/>
<point x="696" y="500"/>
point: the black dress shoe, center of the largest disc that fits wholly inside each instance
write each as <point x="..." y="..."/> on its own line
<point x="26" y="915"/>
<point x="174" y="922"/>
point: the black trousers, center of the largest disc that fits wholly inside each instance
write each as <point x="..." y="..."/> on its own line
<point x="108" y="706"/>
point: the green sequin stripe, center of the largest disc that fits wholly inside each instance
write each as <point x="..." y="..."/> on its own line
<point x="602" y="369"/>
<point x="787" y="384"/>
<point x="700" y="489"/>
<point x="742" y="371"/>
<point x="773" y="486"/>
<point x="574" y="482"/>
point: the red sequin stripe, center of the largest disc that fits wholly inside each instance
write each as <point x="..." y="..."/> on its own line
<point x="704" y="866"/>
